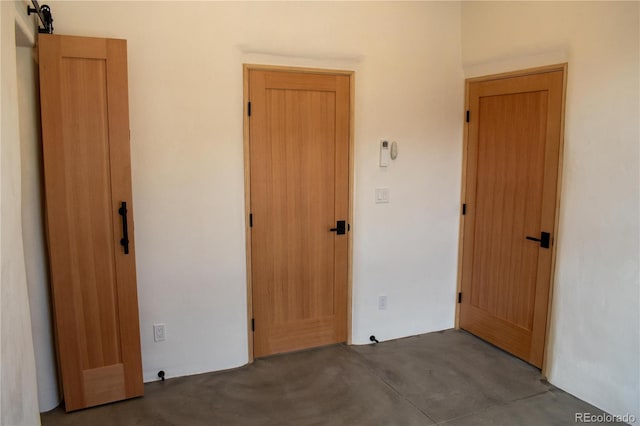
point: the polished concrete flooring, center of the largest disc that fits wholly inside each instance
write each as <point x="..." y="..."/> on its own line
<point x="448" y="377"/>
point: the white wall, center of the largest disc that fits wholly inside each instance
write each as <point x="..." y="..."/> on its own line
<point x="186" y="119"/>
<point x="594" y="348"/>
<point x="185" y="82"/>
<point x="18" y="399"/>
<point x="35" y="249"/>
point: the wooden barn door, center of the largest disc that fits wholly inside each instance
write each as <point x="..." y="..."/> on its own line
<point x="85" y="131"/>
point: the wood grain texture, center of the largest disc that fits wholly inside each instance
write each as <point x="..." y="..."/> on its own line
<point x="247" y="206"/>
<point x="104" y="384"/>
<point x="298" y="70"/>
<point x="463" y="201"/>
<point x="556" y="242"/>
<point x="509" y="179"/>
<point x="85" y="126"/>
<point x="352" y="114"/>
<point x="299" y="148"/>
<point x="512" y="155"/>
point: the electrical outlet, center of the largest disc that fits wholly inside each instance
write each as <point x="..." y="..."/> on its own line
<point x="382" y="302"/>
<point x="158" y="333"/>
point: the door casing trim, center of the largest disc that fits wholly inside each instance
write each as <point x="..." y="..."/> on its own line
<point x="465" y="143"/>
<point x="246" y="68"/>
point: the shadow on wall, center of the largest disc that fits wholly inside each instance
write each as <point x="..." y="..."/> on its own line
<point x="33" y="225"/>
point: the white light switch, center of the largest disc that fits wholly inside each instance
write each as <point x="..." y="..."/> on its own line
<point x="382" y="195"/>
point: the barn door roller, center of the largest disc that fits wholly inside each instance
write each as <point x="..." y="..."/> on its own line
<point x="44" y="13"/>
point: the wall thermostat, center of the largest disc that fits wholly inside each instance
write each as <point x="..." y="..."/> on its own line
<point x="385" y="153"/>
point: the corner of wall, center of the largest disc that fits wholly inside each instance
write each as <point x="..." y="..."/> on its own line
<point x="18" y="386"/>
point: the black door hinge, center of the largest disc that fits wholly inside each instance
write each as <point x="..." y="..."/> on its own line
<point x="467" y="116"/>
<point x="460" y="297"/>
<point x="250" y="220"/>
<point x="249" y="109"/>
<point x="464" y="209"/>
<point x="253" y="324"/>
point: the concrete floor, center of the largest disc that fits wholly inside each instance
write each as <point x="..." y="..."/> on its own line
<point x="448" y="377"/>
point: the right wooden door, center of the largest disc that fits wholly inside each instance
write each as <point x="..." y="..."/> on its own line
<point x="513" y="147"/>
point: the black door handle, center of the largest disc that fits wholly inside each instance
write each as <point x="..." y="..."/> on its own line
<point x="125" y="229"/>
<point x="341" y="227"/>
<point x="544" y="240"/>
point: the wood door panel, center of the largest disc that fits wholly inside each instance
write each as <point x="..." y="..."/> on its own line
<point x="505" y="334"/>
<point x="509" y="193"/>
<point x="299" y="188"/>
<point x="85" y="129"/>
<point x="285" y="337"/>
<point x="512" y="162"/>
<point x="104" y="384"/>
<point x="301" y="81"/>
<point x="87" y="186"/>
<point x="303" y="193"/>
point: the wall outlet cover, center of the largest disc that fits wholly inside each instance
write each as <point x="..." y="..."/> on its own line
<point x="159" y="333"/>
<point x="382" y="303"/>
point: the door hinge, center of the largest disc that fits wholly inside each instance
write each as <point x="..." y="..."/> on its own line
<point x="250" y="220"/>
<point x="467" y="116"/>
<point x="253" y="324"/>
<point x="464" y="209"/>
<point x="460" y="297"/>
<point x="249" y="109"/>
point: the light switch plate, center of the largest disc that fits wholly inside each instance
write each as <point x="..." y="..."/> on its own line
<point x="382" y="195"/>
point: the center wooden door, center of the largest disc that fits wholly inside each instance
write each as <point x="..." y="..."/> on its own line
<point x="299" y="153"/>
<point x="513" y="148"/>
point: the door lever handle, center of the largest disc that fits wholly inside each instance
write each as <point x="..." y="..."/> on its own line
<point x="544" y="240"/>
<point x="341" y="227"/>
